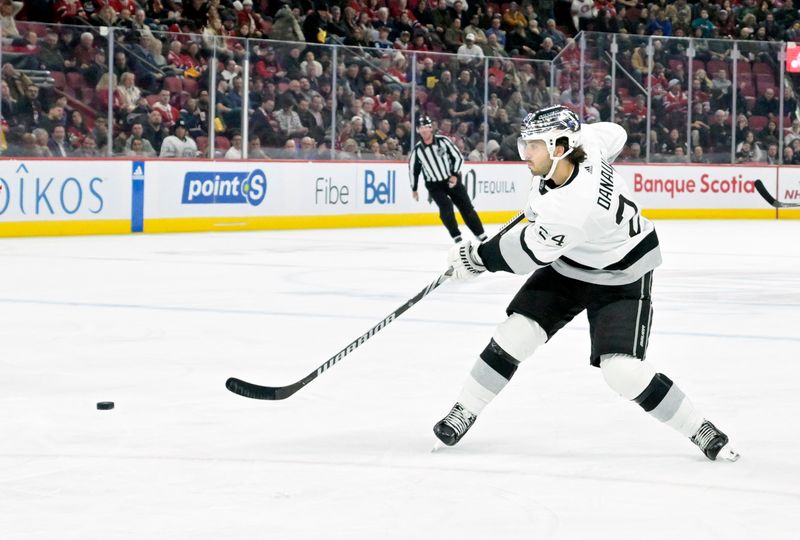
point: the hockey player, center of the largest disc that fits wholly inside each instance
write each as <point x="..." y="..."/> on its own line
<point x="589" y="248"/>
<point x="439" y="162"/>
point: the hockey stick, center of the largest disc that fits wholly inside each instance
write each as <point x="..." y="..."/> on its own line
<point x="764" y="192"/>
<point x="255" y="391"/>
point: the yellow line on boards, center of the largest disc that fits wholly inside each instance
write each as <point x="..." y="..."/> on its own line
<point x="65" y="228"/>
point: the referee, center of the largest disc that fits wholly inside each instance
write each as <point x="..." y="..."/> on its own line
<point x="439" y="161"/>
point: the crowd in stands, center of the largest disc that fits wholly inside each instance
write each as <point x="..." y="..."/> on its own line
<point x="174" y="76"/>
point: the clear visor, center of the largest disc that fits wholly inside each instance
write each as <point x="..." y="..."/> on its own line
<point x="522" y="145"/>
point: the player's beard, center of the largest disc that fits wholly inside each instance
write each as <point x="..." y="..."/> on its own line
<point x="539" y="169"/>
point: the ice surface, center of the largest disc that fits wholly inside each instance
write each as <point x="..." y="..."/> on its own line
<point x="157" y="324"/>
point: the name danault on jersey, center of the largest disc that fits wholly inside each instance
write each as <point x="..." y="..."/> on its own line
<point x="606" y="185"/>
<point x="589" y="228"/>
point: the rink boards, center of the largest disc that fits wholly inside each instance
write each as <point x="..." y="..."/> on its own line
<point x="117" y="196"/>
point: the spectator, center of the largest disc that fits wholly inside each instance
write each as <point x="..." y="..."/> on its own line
<point x="310" y="66"/>
<point x="337" y="30"/>
<point x="179" y="144"/>
<point x="235" y="150"/>
<point x="769" y="134"/>
<point x="721" y="90"/>
<point x="104" y="88"/>
<point x="454" y="36"/>
<point x="767" y="104"/>
<point x="54" y="117"/>
<point x="470" y="54"/>
<point x="582" y="12"/>
<point x="85" y="52"/>
<point x="498" y="32"/>
<point x="789" y="157"/>
<point x="291" y="63"/>
<point x="129" y="93"/>
<point x="76" y="128"/>
<point x="478" y="153"/>
<point x="742" y="126"/>
<point x="194" y="118"/>
<point x="358" y="132"/>
<point x="264" y="125"/>
<point x="8" y="104"/>
<point x="288" y="120"/>
<point x="704" y="24"/>
<point x="350" y="150"/>
<point x="88" y="148"/>
<point x="58" y="145"/>
<point x="720" y="132"/>
<point x="512" y="17"/>
<point x="255" y="151"/>
<point x="249" y="17"/>
<point x="675" y="100"/>
<point x="547" y="51"/>
<point x="308" y="149"/>
<point x="590" y="112"/>
<point x="634" y="152"/>
<point x="9" y="10"/>
<point x="698" y="156"/>
<point x="374" y="148"/>
<point x="792" y="133"/>
<point x="557" y="37"/>
<point x="772" y="157"/>
<point x="137" y="148"/>
<point x="231" y="71"/>
<point x="154" y="130"/>
<point x="493" y="48"/>
<point x="42" y="140"/>
<point x="70" y="12"/>
<point x="169" y="113"/>
<point x="138" y="133"/>
<point x="518" y="43"/>
<point x="475" y="29"/>
<point x="286" y="26"/>
<point x="289" y="150"/>
<point x="49" y="55"/>
<point x="404" y="41"/>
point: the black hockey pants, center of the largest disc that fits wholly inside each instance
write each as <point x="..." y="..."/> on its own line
<point x="444" y="197"/>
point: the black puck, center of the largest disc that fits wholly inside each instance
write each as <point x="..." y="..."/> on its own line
<point x="105" y="405"/>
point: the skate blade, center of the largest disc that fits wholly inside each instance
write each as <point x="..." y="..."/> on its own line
<point x="728" y="454"/>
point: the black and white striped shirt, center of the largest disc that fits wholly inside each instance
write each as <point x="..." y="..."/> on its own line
<point x="437" y="161"/>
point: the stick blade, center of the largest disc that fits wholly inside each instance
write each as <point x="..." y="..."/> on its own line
<point x="255" y="391"/>
<point x="764" y="192"/>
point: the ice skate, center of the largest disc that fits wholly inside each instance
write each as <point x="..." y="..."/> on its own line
<point x="455" y="425"/>
<point x="713" y="442"/>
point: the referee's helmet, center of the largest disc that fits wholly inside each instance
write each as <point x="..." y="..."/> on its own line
<point x="424" y="120"/>
<point x="550" y="125"/>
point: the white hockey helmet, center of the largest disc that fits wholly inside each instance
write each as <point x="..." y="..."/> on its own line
<point x="549" y="125"/>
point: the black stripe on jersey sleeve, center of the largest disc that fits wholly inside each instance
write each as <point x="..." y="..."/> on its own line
<point x="527" y="250"/>
<point x="648" y="244"/>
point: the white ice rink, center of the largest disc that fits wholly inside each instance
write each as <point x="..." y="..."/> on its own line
<point x="157" y="324"/>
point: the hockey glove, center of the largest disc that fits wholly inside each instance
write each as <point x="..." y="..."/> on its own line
<point x="466" y="262"/>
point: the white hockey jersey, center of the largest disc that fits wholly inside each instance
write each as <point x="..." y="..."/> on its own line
<point x="590" y="228"/>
